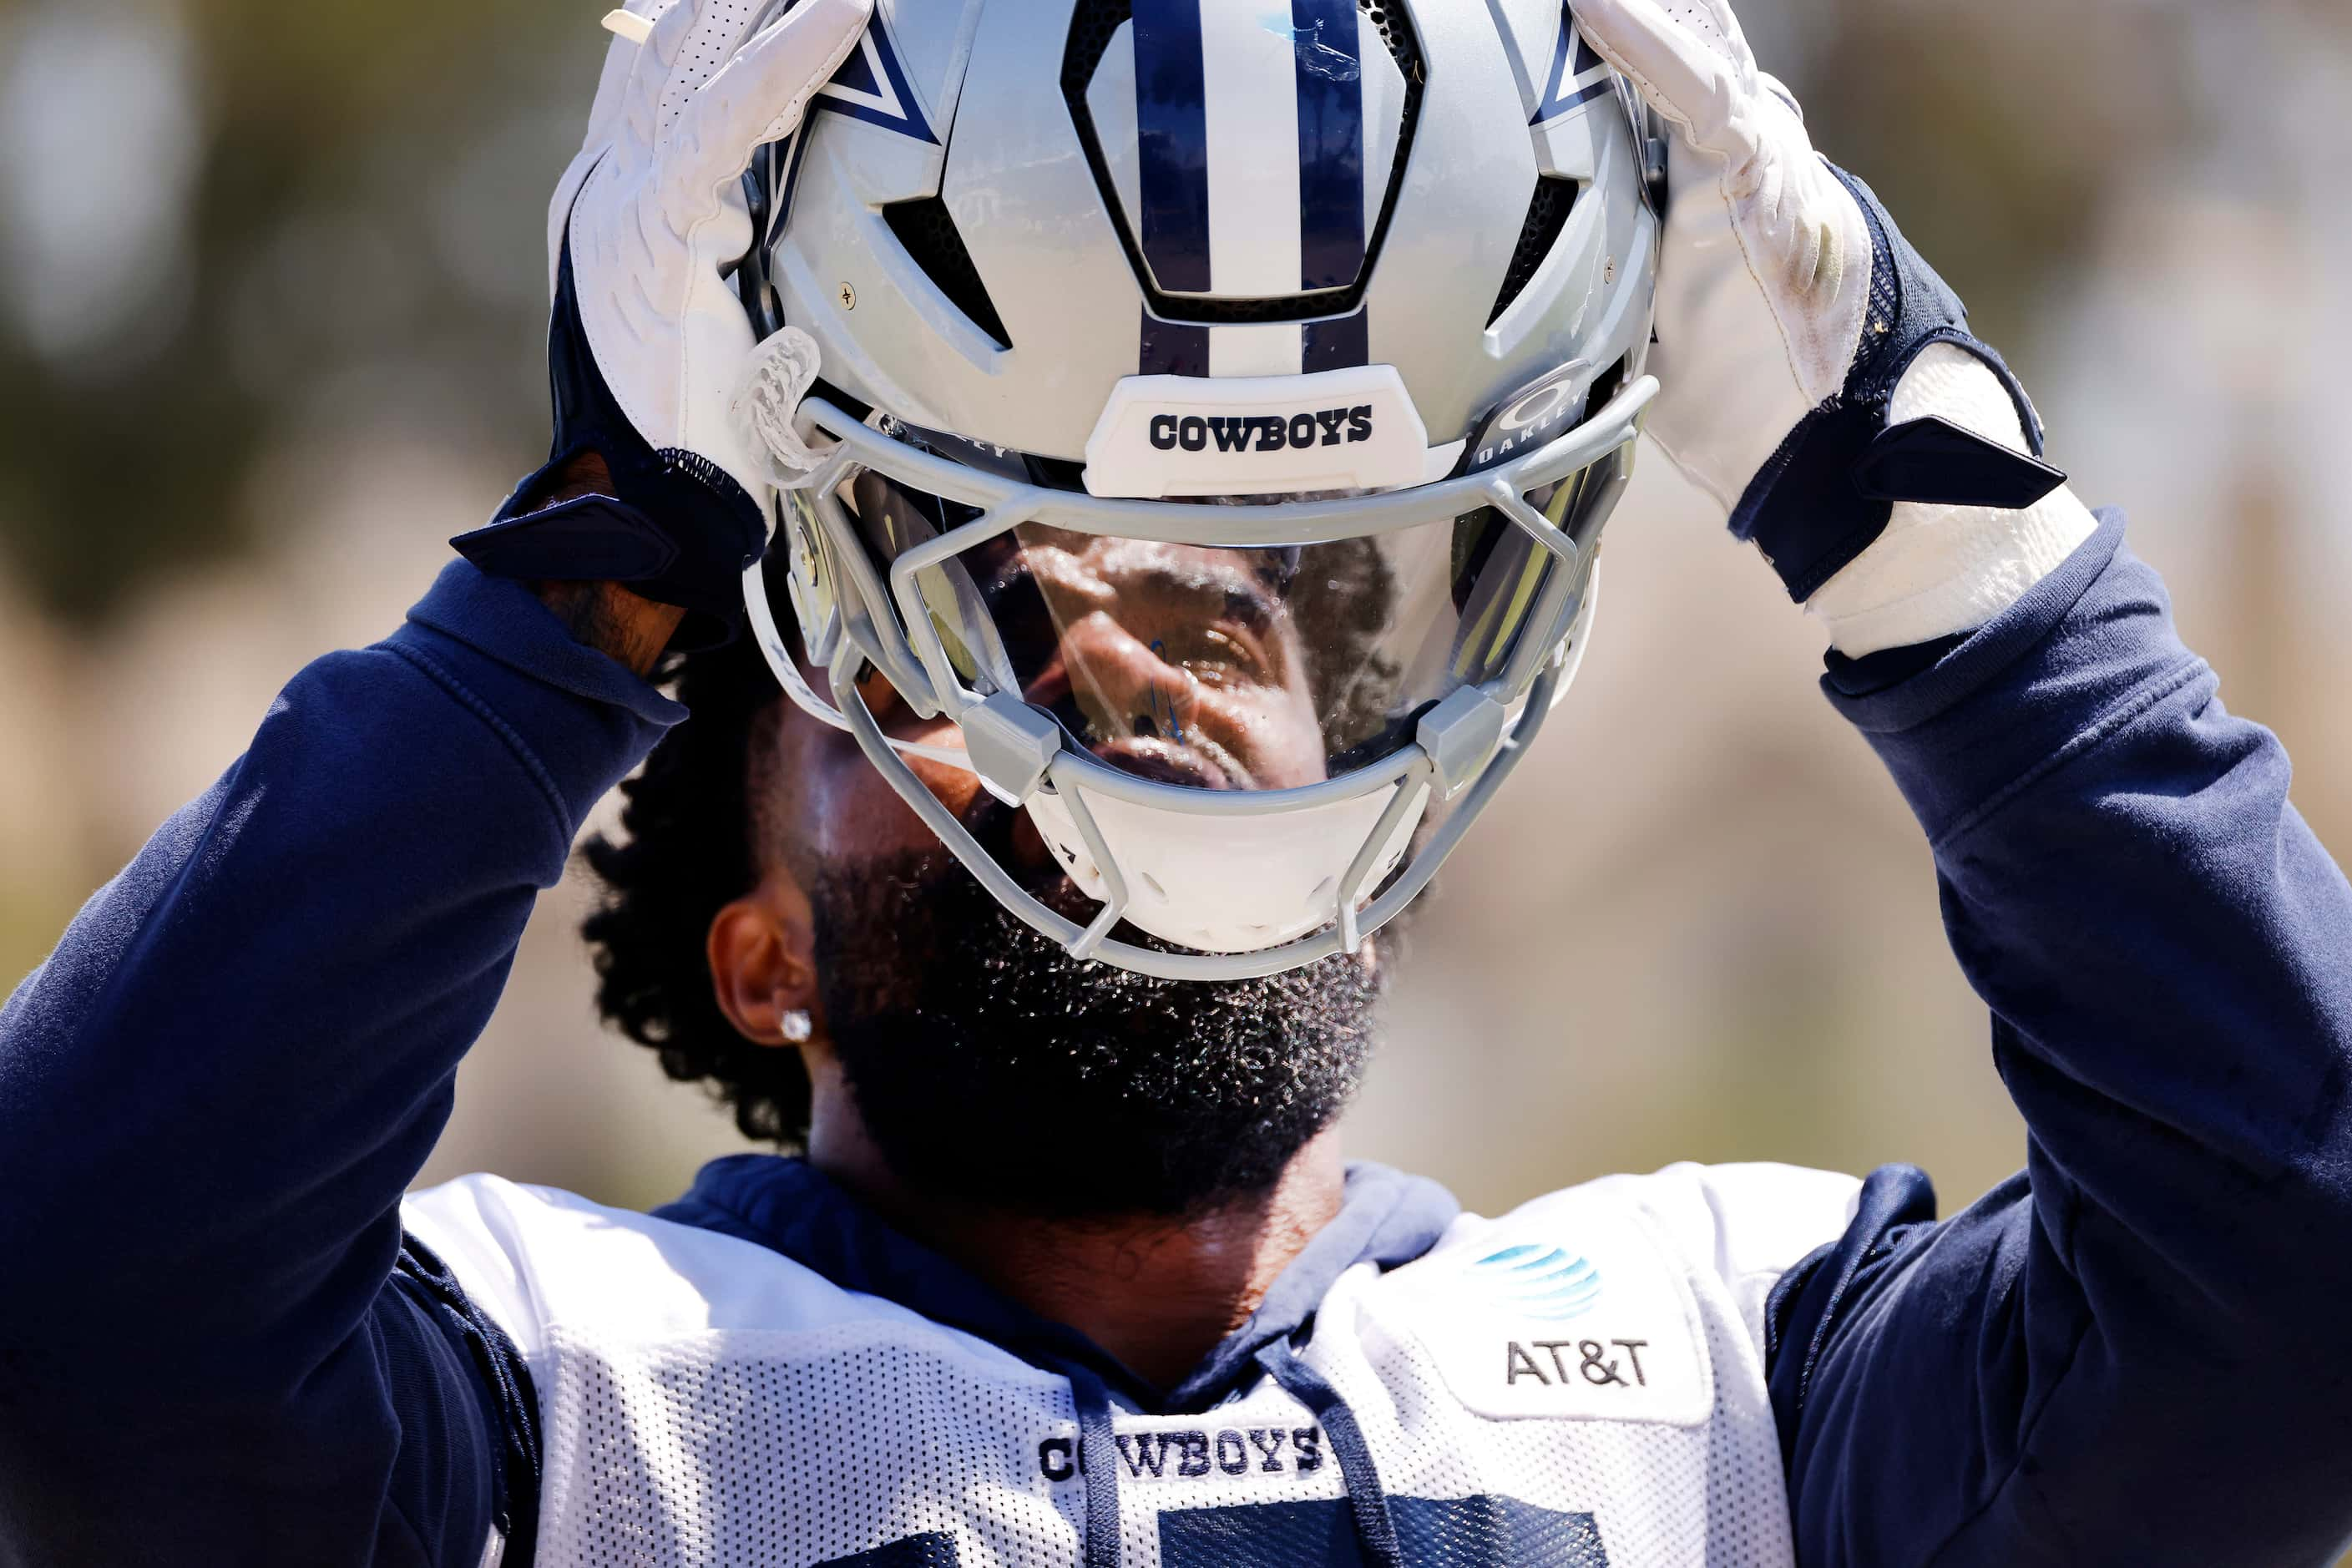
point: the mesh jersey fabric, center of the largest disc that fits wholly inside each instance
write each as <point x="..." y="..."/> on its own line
<point x="1576" y="1384"/>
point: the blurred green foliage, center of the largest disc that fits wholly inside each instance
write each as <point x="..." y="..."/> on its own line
<point x="344" y="149"/>
<point x="365" y="209"/>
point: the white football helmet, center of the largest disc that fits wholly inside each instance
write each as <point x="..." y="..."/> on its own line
<point x="1214" y="414"/>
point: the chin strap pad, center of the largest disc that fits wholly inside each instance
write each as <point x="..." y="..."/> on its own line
<point x="1829" y="492"/>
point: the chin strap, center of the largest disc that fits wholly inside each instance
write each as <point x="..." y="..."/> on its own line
<point x="775" y="378"/>
<point x="766" y="408"/>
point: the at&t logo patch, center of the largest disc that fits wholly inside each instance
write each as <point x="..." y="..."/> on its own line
<point x="1548" y="1283"/>
<point x="1568" y="1308"/>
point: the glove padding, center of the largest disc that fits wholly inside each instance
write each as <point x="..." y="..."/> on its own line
<point x="647" y="344"/>
<point x="1790" y="309"/>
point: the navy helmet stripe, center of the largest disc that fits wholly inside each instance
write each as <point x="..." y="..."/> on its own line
<point x="795" y="154"/>
<point x="855" y="74"/>
<point x="1330" y="143"/>
<point x="1172" y="348"/>
<point x="1561" y="92"/>
<point x="1337" y="343"/>
<point x="886" y="100"/>
<point x="1172" y="143"/>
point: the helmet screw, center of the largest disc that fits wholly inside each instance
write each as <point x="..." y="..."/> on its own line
<point x="1608" y="273"/>
<point x="849" y="298"/>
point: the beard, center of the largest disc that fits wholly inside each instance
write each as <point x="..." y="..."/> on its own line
<point x="990" y="1067"/>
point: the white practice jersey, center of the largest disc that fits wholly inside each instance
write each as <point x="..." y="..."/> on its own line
<point x="1579" y="1383"/>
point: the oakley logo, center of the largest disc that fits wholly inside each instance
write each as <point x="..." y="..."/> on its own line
<point x="1262" y="432"/>
<point x="1536" y="417"/>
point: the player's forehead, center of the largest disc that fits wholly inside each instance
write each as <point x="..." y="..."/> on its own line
<point x="1134" y="567"/>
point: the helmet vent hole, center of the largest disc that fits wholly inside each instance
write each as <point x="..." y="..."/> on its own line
<point x="1605" y="386"/>
<point x="1547" y="212"/>
<point x="928" y="231"/>
<point x="1151" y="885"/>
<point x="1402" y="46"/>
<point x="1092" y="27"/>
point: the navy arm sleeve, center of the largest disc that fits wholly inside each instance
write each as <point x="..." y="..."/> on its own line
<point x="212" y="1348"/>
<point x="2139" y="1350"/>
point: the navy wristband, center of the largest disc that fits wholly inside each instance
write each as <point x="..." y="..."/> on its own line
<point x="1829" y="492"/>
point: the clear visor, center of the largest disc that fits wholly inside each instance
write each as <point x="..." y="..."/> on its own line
<point x="1226" y="667"/>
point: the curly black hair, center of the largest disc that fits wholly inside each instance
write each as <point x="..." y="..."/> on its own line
<point x="684" y="853"/>
<point x="689" y="818"/>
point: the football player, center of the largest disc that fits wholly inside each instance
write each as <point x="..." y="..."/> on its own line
<point x="1116" y="485"/>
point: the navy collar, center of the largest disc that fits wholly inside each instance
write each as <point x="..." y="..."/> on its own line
<point x="789" y="1206"/>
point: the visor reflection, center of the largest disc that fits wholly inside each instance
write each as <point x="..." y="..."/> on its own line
<point x="1185" y="664"/>
<point x="1224" y="667"/>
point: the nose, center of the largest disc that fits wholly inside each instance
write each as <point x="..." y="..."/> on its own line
<point x="1126" y="687"/>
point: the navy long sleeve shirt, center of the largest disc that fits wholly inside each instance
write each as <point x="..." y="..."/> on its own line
<point x="213" y="1348"/>
<point x="213" y="1093"/>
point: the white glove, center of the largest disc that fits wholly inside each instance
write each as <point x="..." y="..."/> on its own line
<point x="1795" y="327"/>
<point x="1764" y="270"/>
<point x="649" y="346"/>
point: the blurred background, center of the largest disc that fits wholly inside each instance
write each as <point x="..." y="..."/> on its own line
<point x="271" y="285"/>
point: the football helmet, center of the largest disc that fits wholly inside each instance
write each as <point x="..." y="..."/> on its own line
<point x="1214" y="410"/>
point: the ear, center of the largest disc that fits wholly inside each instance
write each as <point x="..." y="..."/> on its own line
<point x="762" y="954"/>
